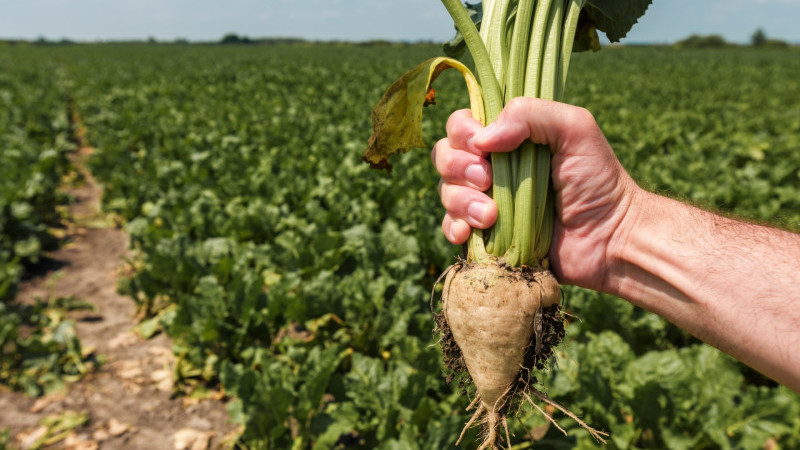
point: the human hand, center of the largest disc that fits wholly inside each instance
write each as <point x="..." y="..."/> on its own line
<point x="593" y="193"/>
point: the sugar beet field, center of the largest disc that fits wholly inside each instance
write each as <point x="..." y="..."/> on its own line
<point x="294" y="282"/>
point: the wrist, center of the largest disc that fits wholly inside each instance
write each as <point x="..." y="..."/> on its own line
<point x="646" y="260"/>
<point x="632" y="241"/>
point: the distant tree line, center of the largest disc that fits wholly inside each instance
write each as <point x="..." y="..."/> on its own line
<point x="232" y="38"/>
<point x="758" y="39"/>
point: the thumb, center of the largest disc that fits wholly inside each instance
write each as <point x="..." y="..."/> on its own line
<point x="542" y="121"/>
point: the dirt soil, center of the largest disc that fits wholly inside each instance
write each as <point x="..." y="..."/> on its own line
<point x="129" y="399"/>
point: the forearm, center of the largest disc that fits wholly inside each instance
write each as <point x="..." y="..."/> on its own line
<point x="731" y="284"/>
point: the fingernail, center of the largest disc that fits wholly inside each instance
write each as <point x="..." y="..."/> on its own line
<point x="477" y="211"/>
<point x="476" y="174"/>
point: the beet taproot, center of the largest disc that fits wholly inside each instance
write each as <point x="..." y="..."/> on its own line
<point x="498" y="324"/>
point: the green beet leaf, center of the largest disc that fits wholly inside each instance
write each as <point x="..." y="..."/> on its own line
<point x="616" y="17"/>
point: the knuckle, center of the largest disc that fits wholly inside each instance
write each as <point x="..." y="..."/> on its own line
<point x="460" y="126"/>
<point x="586" y="127"/>
<point x="583" y="115"/>
<point x="441" y="157"/>
<point x="517" y="105"/>
<point x="452" y="200"/>
<point x="435" y="150"/>
<point x="459" y="116"/>
<point x="454" y="122"/>
<point x="582" y="119"/>
<point x="451" y="165"/>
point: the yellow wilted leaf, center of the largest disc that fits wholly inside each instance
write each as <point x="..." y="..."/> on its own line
<point x="397" y="118"/>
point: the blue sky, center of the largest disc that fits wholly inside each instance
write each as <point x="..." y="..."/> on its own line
<point x="410" y="20"/>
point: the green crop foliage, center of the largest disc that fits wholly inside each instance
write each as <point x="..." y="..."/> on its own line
<point x="39" y="350"/>
<point x="34" y="142"/>
<point x="299" y="281"/>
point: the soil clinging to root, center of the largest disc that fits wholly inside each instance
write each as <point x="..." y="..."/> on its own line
<point x="548" y="332"/>
<point x="538" y="351"/>
<point x="552" y="334"/>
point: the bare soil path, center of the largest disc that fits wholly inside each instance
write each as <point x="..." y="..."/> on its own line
<point x="128" y="399"/>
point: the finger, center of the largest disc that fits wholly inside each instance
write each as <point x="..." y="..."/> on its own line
<point x="455" y="230"/>
<point x="461" y="167"/>
<point x="541" y="121"/>
<point x="461" y="126"/>
<point x="474" y="207"/>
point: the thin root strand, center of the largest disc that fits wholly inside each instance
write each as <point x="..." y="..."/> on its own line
<point x="473" y="403"/>
<point x="491" y="437"/>
<point x="544" y="413"/>
<point x="508" y="435"/>
<point x="597" y="434"/>
<point x="472" y="419"/>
